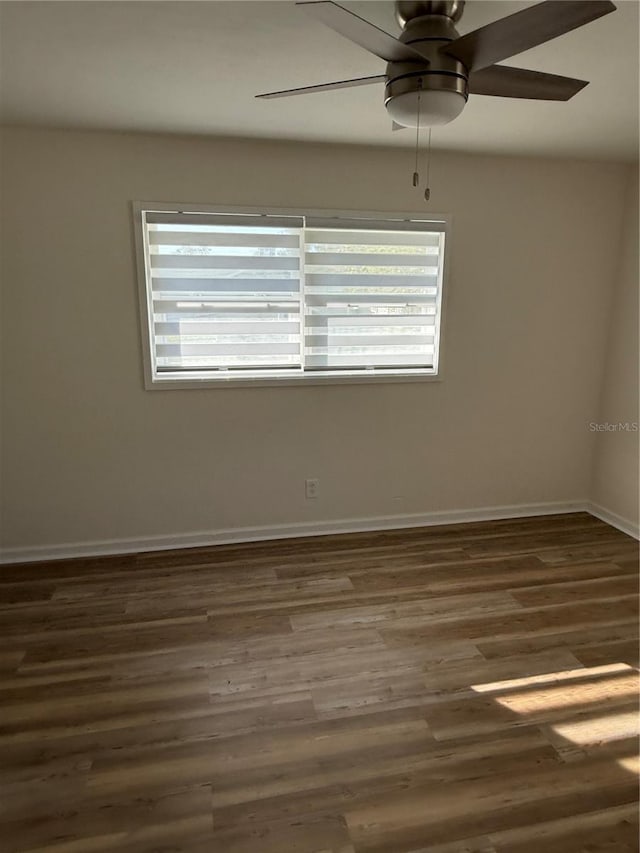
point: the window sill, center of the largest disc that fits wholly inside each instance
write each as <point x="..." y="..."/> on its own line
<point x="193" y="382"/>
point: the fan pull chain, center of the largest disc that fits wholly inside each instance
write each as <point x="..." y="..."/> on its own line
<point x="416" y="176"/>
<point x="427" y="192"/>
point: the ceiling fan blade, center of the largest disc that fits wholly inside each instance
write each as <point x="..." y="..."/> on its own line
<point x="396" y="126"/>
<point x="526" y="29"/>
<point x="367" y="35"/>
<point x="507" y="82"/>
<point x="325" y="87"/>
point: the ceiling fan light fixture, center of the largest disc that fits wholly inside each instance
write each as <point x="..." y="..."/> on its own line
<point x="437" y="107"/>
<point x="431" y="69"/>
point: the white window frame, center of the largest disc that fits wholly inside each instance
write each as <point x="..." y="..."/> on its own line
<point x="159" y="381"/>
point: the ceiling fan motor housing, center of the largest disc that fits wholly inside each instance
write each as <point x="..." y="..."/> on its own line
<point x="441" y="84"/>
<point x="407" y="10"/>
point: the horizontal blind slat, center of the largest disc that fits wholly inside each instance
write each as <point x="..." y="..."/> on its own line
<point x="213" y="287"/>
<point x="381" y="342"/>
<point x="184" y="328"/>
<point x="235" y="301"/>
<point x="354" y="362"/>
<point x="228" y="362"/>
<point x="349" y="310"/>
<point x="222" y="238"/>
<point x="328" y="298"/>
<point x="315" y="323"/>
<point x="227" y="220"/>
<point x="224" y="311"/>
<point x="335" y="279"/>
<point x="246" y="348"/>
<point x="355" y="225"/>
<point x="376" y="260"/>
<point x="314" y="238"/>
<point x="223" y="262"/>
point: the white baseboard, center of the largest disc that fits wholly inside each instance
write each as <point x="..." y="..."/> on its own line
<point x="629" y="527"/>
<point x="287" y="531"/>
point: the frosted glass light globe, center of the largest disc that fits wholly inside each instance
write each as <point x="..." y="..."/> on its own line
<point x="436" y="107"/>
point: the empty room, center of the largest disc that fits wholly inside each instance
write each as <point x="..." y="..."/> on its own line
<point x="319" y="426"/>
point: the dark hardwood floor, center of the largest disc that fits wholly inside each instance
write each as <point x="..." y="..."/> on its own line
<point x="452" y="689"/>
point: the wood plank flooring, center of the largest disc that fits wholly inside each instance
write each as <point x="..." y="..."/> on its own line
<point x="449" y="689"/>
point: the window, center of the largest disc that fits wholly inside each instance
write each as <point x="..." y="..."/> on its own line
<point x="231" y="296"/>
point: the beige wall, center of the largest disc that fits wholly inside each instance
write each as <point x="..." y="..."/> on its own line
<point x="615" y="472"/>
<point x="89" y="455"/>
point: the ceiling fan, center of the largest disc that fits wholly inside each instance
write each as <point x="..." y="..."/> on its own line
<point x="431" y="70"/>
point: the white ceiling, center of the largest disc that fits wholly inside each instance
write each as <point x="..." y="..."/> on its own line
<point x="193" y="67"/>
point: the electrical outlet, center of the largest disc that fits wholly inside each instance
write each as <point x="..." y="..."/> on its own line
<point x="311" y="488"/>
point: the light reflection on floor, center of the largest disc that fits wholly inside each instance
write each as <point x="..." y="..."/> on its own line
<point x="605" y="699"/>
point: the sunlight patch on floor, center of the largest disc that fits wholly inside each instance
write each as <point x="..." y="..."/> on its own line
<point x="556" y="691"/>
<point x="551" y="677"/>
<point x="590" y="727"/>
<point x="605" y="728"/>
<point x="630" y="763"/>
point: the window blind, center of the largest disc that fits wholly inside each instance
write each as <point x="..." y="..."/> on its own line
<point x="371" y="295"/>
<point x="261" y="295"/>
<point x="225" y="291"/>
